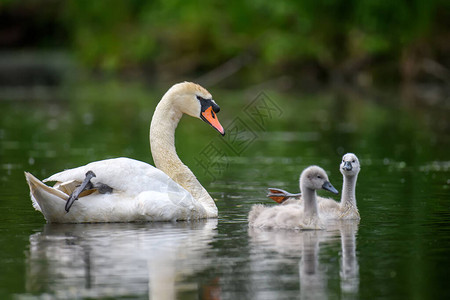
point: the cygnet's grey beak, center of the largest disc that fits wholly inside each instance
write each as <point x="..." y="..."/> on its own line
<point x="347" y="166"/>
<point x="329" y="187"/>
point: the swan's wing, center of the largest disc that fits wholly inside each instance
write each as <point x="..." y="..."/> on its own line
<point x="122" y="175"/>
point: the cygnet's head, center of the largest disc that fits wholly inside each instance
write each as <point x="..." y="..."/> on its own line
<point x="350" y="165"/>
<point x="194" y="100"/>
<point x="315" y="178"/>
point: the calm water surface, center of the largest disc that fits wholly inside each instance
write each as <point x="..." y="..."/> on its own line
<point x="399" y="250"/>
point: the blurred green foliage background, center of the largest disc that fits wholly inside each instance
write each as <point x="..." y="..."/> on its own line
<point x="253" y="40"/>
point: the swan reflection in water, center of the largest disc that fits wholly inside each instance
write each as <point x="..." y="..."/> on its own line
<point x="113" y="260"/>
<point x="316" y="264"/>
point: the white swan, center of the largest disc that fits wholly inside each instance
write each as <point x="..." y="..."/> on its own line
<point x="294" y="216"/>
<point x="127" y="190"/>
<point x="329" y="208"/>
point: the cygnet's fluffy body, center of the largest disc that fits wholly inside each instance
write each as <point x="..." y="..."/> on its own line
<point x="294" y="216"/>
<point x="328" y="208"/>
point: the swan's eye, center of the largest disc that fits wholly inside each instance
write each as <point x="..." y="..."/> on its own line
<point x="200" y="98"/>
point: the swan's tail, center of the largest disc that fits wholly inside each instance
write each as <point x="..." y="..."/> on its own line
<point x="46" y="199"/>
<point x="254" y="213"/>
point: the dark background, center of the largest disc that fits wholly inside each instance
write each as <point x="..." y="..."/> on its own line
<point x="289" y="44"/>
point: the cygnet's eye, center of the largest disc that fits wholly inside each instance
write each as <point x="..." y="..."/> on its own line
<point x="353" y="161"/>
<point x="318" y="176"/>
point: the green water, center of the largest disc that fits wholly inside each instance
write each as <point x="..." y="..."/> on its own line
<point x="399" y="250"/>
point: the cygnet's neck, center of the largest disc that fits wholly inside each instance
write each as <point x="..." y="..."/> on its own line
<point x="348" y="197"/>
<point x="162" y="145"/>
<point x="310" y="201"/>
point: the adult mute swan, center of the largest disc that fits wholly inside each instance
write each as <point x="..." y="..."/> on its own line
<point x="127" y="190"/>
<point x="328" y="208"/>
<point x="294" y="216"/>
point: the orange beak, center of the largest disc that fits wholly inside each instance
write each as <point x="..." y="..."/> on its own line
<point x="210" y="117"/>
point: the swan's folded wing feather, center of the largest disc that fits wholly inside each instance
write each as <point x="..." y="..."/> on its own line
<point x="122" y="174"/>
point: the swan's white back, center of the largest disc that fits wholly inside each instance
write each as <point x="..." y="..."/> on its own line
<point x="123" y="175"/>
<point x="141" y="192"/>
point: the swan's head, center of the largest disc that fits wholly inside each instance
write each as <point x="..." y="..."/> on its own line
<point x="350" y="165"/>
<point x="194" y="100"/>
<point x="315" y="178"/>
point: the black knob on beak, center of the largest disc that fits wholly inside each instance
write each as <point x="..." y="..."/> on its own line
<point x="215" y="107"/>
<point x="347" y="166"/>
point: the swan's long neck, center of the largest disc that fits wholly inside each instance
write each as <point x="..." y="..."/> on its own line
<point x="162" y="144"/>
<point x="309" y="197"/>
<point x="348" y="197"/>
